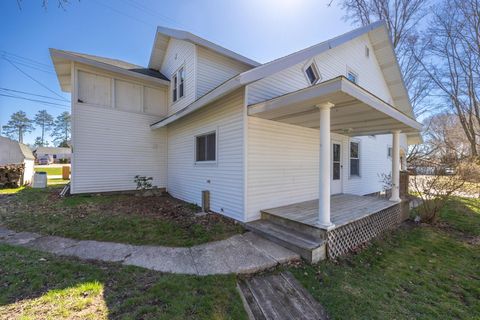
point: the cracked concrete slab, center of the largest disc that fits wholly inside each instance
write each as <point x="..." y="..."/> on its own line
<point x="52" y="244"/>
<point x="20" y="238"/>
<point x="209" y="258"/>
<point x="96" y="250"/>
<point x="245" y="253"/>
<point x="273" y="250"/>
<point x="164" y="259"/>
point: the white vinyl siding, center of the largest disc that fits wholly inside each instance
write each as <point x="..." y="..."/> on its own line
<point x="283" y="164"/>
<point x="112" y="140"/>
<point x="330" y="64"/>
<point x="224" y="179"/>
<point x="180" y="53"/>
<point x="128" y="96"/>
<point x="94" y="89"/>
<point x="213" y="69"/>
<point x="155" y="101"/>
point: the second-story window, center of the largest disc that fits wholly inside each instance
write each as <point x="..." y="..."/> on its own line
<point x="178" y="84"/>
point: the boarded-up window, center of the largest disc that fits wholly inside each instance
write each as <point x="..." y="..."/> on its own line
<point x="94" y="89"/>
<point x="155" y="101"/>
<point x="128" y="96"/>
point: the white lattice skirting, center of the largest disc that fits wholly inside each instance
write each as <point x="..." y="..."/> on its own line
<point x="350" y="236"/>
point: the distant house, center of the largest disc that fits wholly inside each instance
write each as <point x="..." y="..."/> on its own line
<point x="13" y="152"/>
<point x="54" y="154"/>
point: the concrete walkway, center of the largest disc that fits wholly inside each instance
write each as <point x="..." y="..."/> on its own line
<point x="246" y="253"/>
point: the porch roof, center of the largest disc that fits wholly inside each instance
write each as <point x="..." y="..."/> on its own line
<point x="356" y="112"/>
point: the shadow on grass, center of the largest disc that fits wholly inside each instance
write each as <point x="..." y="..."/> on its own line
<point x="40" y="285"/>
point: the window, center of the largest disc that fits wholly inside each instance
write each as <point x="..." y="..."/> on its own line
<point x="354" y="159"/>
<point x="312" y="74"/>
<point x="352" y="76"/>
<point x="178" y="84"/>
<point x="389" y="152"/>
<point x="205" y="147"/>
<point x="367" y="51"/>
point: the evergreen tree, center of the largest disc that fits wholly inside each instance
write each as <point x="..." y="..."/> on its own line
<point x="17" y="126"/>
<point x="61" y="130"/>
<point x="45" y="121"/>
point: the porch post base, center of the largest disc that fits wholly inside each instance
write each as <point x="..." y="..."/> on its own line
<point x="326" y="227"/>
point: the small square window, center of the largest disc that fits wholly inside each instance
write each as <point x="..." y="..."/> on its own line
<point x="312" y="74"/>
<point x="352" y="76"/>
<point x="205" y="147"/>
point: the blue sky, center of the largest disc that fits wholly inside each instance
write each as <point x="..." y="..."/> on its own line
<point x="262" y="30"/>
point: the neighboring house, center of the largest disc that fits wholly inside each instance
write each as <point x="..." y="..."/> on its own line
<point x="14" y="152"/>
<point x="202" y="117"/>
<point x="54" y="154"/>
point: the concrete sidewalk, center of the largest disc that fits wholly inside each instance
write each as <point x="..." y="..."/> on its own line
<point x="246" y="253"/>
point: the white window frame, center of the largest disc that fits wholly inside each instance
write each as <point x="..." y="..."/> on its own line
<point x="176" y="75"/>
<point x="205" y="162"/>
<point x="351" y="71"/>
<point x="350" y="158"/>
<point x="315" y="71"/>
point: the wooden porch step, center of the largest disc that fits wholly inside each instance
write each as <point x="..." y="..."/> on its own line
<point x="304" y="228"/>
<point x="309" y="248"/>
<point x="279" y="296"/>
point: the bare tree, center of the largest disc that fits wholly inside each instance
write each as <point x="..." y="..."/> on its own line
<point x="60" y="3"/>
<point x="403" y="18"/>
<point x="453" y="63"/>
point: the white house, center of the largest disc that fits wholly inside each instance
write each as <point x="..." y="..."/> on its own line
<point x="315" y="123"/>
<point x="54" y="154"/>
<point x="14" y="152"/>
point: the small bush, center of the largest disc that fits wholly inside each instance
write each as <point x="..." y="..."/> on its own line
<point x="143" y="182"/>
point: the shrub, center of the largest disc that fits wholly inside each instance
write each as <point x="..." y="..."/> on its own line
<point x="143" y="182"/>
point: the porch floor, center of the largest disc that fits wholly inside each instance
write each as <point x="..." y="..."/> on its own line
<point x="345" y="208"/>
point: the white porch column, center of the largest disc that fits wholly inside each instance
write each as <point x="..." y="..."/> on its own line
<point x="395" y="166"/>
<point x="324" y="167"/>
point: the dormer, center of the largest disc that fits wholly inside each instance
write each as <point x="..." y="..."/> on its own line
<point x="193" y="65"/>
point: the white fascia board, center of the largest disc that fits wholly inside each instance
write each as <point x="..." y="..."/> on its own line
<point x="330" y="87"/>
<point x="217" y="93"/>
<point x="105" y="66"/>
<point x="378" y="104"/>
<point x="187" y="36"/>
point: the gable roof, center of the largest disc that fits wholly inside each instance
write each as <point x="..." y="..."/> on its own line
<point x="12" y="151"/>
<point x="52" y="150"/>
<point x="61" y="61"/>
<point x="383" y="49"/>
<point x="164" y="34"/>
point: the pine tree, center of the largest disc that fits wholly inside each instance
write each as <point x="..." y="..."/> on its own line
<point x="17" y="126"/>
<point x="45" y="121"/>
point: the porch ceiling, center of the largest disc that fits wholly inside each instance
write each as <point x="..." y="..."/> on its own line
<point x="356" y="112"/>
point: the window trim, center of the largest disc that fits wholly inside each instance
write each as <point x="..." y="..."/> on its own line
<point x="205" y="162"/>
<point x="355" y="176"/>
<point x="350" y="70"/>
<point x="314" y="66"/>
<point x="176" y="88"/>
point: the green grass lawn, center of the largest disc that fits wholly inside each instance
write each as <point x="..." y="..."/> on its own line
<point x="36" y="285"/>
<point x="49" y="170"/>
<point x="416" y="272"/>
<point x="118" y="218"/>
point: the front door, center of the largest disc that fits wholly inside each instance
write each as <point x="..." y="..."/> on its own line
<point x="336" y="173"/>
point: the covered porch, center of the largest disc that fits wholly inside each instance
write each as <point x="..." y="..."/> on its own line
<point x="342" y="107"/>
<point x="334" y="224"/>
